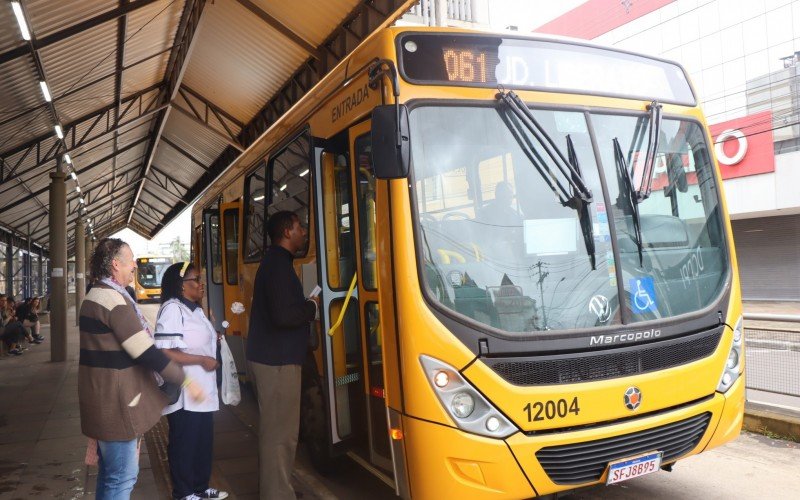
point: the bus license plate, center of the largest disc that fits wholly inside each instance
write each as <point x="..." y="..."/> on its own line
<point x="629" y="468"/>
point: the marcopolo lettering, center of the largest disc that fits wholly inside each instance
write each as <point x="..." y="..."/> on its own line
<point x="348" y="103"/>
<point x="624" y="337"/>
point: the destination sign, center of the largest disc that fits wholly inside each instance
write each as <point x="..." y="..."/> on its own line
<point x="491" y="61"/>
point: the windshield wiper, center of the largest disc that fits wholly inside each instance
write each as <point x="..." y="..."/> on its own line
<point x="646" y="184"/>
<point x="629" y="197"/>
<point x="521" y="119"/>
<point x="583" y="210"/>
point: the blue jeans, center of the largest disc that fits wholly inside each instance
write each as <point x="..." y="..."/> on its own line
<point x="118" y="467"/>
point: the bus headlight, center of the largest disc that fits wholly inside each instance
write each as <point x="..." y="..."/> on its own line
<point x="733" y="365"/>
<point x="466" y="406"/>
<point x="462" y="405"/>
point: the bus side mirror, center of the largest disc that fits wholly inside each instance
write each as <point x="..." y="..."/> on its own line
<point x="390" y="159"/>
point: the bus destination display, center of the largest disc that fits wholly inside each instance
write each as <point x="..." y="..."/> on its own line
<point x="489" y="61"/>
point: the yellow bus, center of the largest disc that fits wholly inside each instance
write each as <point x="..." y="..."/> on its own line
<point x="147" y="281"/>
<point x="528" y="276"/>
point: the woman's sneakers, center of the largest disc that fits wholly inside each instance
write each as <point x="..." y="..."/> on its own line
<point x="212" y="493"/>
<point x="16" y="351"/>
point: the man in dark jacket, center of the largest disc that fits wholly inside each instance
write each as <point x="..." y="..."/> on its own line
<point x="276" y="348"/>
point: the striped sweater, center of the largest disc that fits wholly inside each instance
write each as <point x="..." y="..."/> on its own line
<point x="118" y="395"/>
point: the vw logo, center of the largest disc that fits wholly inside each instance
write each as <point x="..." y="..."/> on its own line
<point x="633" y="398"/>
<point x="599" y="306"/>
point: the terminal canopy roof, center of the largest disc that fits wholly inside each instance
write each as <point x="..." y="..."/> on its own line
<point x="154" y="98"/>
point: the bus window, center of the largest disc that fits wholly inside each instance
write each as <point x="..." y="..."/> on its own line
<point x="289" y="173"/>
<point x="254" y="215"/>
<point x="366" y="200"/>
<point x="338" y="224"/>
<point x="216" y="251"/>
<point x="232" y="245"/>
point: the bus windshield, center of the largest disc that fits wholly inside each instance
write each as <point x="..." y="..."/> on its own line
<point x="499" y="247"/>
<point x="149" y="271"/>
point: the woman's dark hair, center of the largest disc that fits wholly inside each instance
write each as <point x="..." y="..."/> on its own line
<point x="105" y="252"/>
<point x="172" y="281"/>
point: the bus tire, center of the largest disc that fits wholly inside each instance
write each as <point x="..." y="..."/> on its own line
<point x="313" y="429"/>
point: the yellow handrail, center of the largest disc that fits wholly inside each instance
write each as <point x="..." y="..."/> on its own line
<point x="344" y="306"/>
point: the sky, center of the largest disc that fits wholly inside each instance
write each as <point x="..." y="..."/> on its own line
<point x="180" y="226"/>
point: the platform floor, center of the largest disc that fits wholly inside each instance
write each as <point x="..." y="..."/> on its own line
<point x="42" y="449"/>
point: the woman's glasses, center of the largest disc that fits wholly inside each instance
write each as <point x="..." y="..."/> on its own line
<point x="196" y="279"/>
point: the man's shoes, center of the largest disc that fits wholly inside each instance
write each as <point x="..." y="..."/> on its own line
<point x="189" y="497"/>
<point x="212" y="493"/>
<point x="39" y="337"/>
<point x="15" y="351"/>
<point x="37" y="341"/>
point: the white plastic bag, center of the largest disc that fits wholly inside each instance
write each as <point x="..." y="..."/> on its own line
<point x="230" y="376"/>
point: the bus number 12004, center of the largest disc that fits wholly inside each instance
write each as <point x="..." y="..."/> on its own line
<point x="549" y="410"/>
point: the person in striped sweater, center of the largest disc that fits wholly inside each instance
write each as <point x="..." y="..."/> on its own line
<point x="117" y="385"/>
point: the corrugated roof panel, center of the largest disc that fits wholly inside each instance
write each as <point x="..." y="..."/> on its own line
<point x="196" y="139"/>
<point x="47" y="16"/>
<point x="29" y="161"/>
<point x="80" y="58"/>
<point x="144" y="75"/>
<point x="25" y="129"/>
<point x="177" y="165"/>
<point x="239" y="69"/>
<point x="81" y="103"/>
<point x="20" y="95"/>
<point x="152" y="29"/>
<point x="311" y="20"/>
<point x="10" y="36"/>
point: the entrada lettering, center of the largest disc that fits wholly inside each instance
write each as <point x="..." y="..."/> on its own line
<point x="624" y="337"/>
<point x="348" y="103"/>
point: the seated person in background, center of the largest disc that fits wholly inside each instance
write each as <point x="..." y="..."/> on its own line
<point x="500" y="211"/>
<point x="12" y="332"/>
<point x="501" y="224"/>
<point x="28" y="314"/>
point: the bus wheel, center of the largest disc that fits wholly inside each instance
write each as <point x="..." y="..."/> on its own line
<point x="313" y="431"/>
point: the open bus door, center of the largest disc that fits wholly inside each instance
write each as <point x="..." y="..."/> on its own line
<point x="230" y="215"/>
<point x="351" y="328"/>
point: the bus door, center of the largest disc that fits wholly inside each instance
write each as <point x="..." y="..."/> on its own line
<point x="213" y="265"/>
<point x="363" y="182"/>
<point x="353" y="372"/>
<point x="234" y="313"/>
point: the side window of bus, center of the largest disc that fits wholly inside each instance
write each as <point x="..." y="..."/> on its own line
<point x="216" y="251"/>
<point x="289" y="179"/>
<point x="254" y="224"/>
<point x="366" y="201"/>
<point x="232" y="245"/>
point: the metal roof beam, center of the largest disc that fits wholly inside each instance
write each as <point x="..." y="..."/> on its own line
<point x="75" y="29"/>
<point x="88" y="116"/>
<point x="176" y="67"/>
<point x="230" y="139"/>
<point x="184" y="153"/>
<point x="39" y="192"/>
<point x="281" y="28"/>
<point x="179" y="184"/>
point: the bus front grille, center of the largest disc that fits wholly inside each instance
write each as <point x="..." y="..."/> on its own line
<point x="613" y="363"/>
<point x="587" y="461"/>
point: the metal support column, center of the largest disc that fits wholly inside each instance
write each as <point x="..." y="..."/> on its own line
<point x="80" y="268"/>
<point x="40" y="285"/>
<point x="9" y="276"/>
<point x="89" y="250"/>
<point x="28" y="267"/>
<point x="58" y="265"/>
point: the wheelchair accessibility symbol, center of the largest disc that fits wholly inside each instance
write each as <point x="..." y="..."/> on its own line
<point x="643" y="295"/>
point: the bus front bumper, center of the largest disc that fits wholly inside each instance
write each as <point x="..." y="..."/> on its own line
<point x="447" y="463"/>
